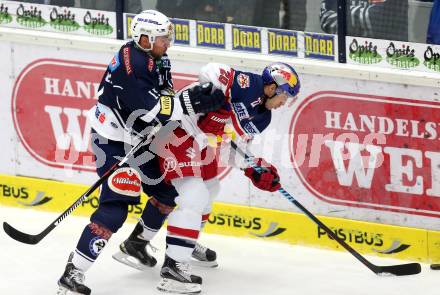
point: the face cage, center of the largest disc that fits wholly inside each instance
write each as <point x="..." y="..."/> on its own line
<point x="285" y="88"/>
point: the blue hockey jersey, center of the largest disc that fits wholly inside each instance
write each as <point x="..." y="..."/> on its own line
<point x="246" y="92"/>
<point x="433" y="36"/>
<point x="129" y="96"/>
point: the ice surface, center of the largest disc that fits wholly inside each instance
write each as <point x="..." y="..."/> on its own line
<point x="247" y="266"/>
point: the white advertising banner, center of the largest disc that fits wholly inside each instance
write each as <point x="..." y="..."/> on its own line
<point x="50" y="18"/>
<point x="350" y="148"/>
<point x="393" y="54"/>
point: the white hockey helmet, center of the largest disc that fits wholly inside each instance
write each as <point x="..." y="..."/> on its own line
<point x="153" y="24"/>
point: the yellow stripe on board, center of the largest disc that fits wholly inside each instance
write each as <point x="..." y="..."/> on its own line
<point x="242" y="221"/>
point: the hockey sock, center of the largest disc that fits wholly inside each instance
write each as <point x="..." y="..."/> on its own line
<point x="152" y="218"/>
<point x="91" y="243"/>
<point x="182" y="234"/>
<point x="185" y="221"/>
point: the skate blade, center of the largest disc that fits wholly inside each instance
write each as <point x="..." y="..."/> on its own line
<point x="130" y="261"/>
<point x="207" y="264"/>
<point x="172" y="286"/>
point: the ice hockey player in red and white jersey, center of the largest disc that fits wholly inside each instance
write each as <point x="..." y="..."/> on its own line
<point x="189" y="161"/>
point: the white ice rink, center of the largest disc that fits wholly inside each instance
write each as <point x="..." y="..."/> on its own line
<point x="247" y="266"/>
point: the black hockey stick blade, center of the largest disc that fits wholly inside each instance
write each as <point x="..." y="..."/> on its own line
<point x="21" y="236"/>
<point x="400" y="269"/>
<point x="435" y="266"/>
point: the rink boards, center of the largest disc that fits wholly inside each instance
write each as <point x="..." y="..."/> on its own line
<point x="242" y="221"/>
<point x="387" y="119"/>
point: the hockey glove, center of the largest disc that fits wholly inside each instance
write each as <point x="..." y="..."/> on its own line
<point x="214" y="122"/>
<point x="267" y="179"/>
<point x="199" y="99"/>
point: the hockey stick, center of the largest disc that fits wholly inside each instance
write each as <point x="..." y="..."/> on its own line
<point x="398" y="270"/>
<point x="34" y="239"/>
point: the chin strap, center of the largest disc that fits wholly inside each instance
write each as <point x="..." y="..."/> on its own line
<point x="141" y="48"/>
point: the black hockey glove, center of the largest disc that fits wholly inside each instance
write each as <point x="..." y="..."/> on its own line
<point x="199" y="99"/>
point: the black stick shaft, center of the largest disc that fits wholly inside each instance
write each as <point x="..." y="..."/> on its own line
<point x="34" y="239"/>
<point x="403" y="269"/>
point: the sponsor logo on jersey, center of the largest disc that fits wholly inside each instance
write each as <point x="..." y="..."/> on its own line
<point x="241" y="111"/>
<point x="125" y="181"/>
<point x="99" y="115"/>
<point x="243" y="80"/>
<point x="114" y="63"/>
<point x="169" y="164"/>
<point x="369" y="151"/>
<point x="250" y="128"/>
<point x="126" y="55"/>
<point x="166" y="105"/>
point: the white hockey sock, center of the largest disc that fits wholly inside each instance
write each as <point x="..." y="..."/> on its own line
<point x="81" y="261"/>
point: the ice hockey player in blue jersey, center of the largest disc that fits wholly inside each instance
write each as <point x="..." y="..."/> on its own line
<point x="135" y="94"/>
<point x="251" y="97"/>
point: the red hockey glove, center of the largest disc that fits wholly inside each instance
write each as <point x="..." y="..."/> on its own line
<point x="266" y="180"/>
<point x="214" y="122"/>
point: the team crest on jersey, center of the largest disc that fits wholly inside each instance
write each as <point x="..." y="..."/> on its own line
<point x="114" y="63"/>
<point x="150" y="64"/>
<point x="243" y="80"/>
<point x="125" y="181"/>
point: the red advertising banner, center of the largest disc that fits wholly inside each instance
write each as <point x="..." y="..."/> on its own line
<point x="369" y="151"/>
<point x="49" y="107"/>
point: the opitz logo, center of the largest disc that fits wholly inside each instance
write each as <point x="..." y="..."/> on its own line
<point x="39" y="200"/>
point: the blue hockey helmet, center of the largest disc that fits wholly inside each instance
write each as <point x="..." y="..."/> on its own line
<point x="284" y="76"/>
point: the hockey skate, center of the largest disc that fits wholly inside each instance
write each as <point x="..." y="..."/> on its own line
<point x="203" y="256"/>
<point x="133" y="252"/>
<point x="177" y="278"/>
<point x="72" y="281"/>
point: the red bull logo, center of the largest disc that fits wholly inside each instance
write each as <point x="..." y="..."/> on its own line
<point x="289" y="77"/>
